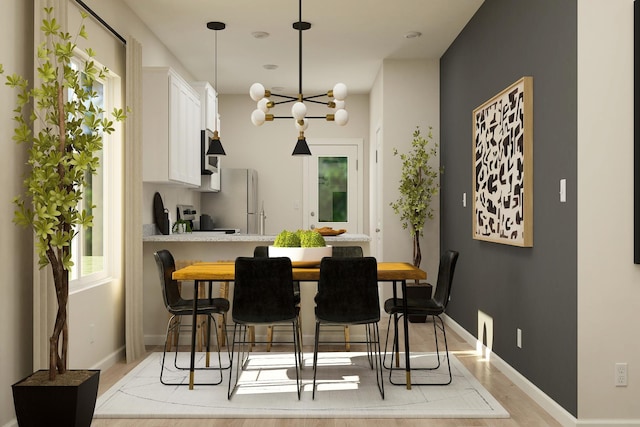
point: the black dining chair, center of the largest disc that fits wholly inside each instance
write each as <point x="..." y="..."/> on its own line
<point x="347" y="252"/>
<point x="355" y="304"/>
<point x="434" y="307"/>
<point x="263" y="252"/>
<point x="179" y="307"/>
<point x="263" y="295"/>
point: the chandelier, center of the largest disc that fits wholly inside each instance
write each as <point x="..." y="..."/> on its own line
<point x="299" y="110"/>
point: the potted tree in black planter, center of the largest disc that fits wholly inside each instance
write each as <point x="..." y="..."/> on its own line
<point x="62" y="155"/>
<point x="419" y="184"/>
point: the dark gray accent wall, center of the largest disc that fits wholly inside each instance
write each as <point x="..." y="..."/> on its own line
<point x="534" y="289"/>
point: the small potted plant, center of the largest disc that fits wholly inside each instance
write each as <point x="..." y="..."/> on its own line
<point x="302" y="246"/>
<point x="181" y="226"/>
<point x="418" y="186"/>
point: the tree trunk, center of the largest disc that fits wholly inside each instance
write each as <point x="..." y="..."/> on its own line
<point x="58" y="350"/>
<point x="417" y="254"/>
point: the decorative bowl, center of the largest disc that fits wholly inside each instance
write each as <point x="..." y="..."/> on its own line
<point x="301" y="256"/>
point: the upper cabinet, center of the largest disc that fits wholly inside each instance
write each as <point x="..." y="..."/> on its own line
<point x="209" y="105"/>
<point x="171" y="128"/>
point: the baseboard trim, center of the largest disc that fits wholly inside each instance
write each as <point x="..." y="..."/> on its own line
<point x="110" y="360"/>
<point x="542" y="399"/>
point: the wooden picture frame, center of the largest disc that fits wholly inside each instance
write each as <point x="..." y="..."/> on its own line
<point x="503" y="166"/>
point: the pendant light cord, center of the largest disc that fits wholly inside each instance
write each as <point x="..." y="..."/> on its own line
<point x="215" y="80"/>
<point x="300" y="50"/>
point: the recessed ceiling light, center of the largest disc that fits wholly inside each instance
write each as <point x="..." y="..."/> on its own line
<point x="270" y="66"/>
<point x="412" y="34"/>
<point x="260" y="34"/>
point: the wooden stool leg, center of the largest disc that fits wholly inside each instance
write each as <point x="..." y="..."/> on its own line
<point x="347" y="343"/>
<point x="300" y="332"/>
<point x="202" y="320"/>
<point x="224" y="293"/>
<point x="172" y="338"/>
<point x="252" y="337"/>
<point x="269" y="337"/>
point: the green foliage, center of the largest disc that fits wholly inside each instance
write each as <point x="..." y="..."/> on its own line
<point x="287" y="239"/>
<point x="311" y="239"/>
<point x="418" y="186"/>
<point x="298" y="239"/>
<point x="63" y="152"/>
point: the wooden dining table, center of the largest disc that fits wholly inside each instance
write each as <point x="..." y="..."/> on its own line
<point x="224" y="271"/>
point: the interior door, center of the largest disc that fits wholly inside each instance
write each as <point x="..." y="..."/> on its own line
<point x="333" y="196"/>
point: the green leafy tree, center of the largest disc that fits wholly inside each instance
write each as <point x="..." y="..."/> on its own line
<point x="418" y="186"/>
<point x="61" y="155"/>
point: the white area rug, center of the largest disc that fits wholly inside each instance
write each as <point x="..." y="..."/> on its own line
<point x="346" y="388"/>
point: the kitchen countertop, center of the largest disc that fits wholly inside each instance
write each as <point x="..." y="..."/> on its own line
<point x="212" y="236"/>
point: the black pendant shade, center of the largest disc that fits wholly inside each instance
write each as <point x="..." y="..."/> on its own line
<point x="215" y="147"/>
<point x="302" y="149"/>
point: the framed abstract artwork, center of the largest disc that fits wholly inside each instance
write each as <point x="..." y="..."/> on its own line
<point x="503" y="166"/>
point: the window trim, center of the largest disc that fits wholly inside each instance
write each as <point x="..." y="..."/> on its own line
<point x="112" y="168"/>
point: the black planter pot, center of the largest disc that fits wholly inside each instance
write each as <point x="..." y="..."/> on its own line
<point x="56" y="405"/>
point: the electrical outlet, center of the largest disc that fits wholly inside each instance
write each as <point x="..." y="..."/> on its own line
<point x="519" y="337"/>
<point x="621" y="375"/>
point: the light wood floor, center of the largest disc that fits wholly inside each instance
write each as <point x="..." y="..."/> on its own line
<point x="524" y="411"/>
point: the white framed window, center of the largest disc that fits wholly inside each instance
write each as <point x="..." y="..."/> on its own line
<point x="95" y="249"/>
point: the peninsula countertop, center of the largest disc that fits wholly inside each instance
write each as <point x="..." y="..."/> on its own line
<point x="213" y="236"/>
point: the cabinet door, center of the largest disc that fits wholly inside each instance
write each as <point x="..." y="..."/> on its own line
<point x="192" y="139"/>
<point x="211" y="110"/>
<point x="208" y="104"/>
<point x="184" y="133"/>
<point x="176" y="130"/>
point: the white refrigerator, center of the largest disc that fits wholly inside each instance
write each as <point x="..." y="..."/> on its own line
<point x="235" y="206"/>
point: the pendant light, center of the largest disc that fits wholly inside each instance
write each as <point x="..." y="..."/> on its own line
<point x="299" y="110"/>
<point x="215" y="146"/>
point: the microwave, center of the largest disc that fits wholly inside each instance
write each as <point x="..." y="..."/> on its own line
<point x="209" y="164"/>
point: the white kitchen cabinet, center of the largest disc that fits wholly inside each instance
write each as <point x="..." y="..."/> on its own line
<point x="208" y="105"/>
<point x="171" y="128"/>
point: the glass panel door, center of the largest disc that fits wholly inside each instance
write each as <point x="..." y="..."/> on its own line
<point x="332" y="187"/>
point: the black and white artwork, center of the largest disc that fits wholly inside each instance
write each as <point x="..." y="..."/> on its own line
<point x="503" y="166"/>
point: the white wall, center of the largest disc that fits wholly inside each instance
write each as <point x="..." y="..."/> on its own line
<point x="608" y="281"/>
<point x="268" y="148"/>
<point x="155" y="53"/>
<point x="410" y="97"/>
<point x="16" y="248"/>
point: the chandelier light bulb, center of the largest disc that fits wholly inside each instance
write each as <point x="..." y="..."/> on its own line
<point x="340" y="91"/>
<point x="302" y="127"/>
<point x="256" y="91"/>
<point x="257" y="117"/>
<point x="341" y="117"/>
<point x="339" y="104"/>
<point x="263" y="105"/>
<point x="299" y="110"/>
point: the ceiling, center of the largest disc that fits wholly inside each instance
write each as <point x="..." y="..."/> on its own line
<point x="347" y="42"/>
